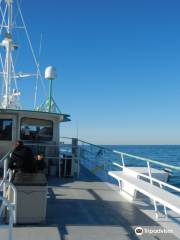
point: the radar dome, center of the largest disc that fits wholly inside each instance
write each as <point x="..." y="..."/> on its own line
<point x="50" y="73"/>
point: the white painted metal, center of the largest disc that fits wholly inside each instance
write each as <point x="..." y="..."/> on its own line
<point x="10" y="206"/>
<point x="150" y="177"/>
<point x="122" y="159"/>
<point x="146" y="160"/>
<point x="5" y="204"/>
<point x="10" y="96"/>
<point x="118" y="165"/>
<point x="157" y="194"/>
<point x="158" y="174"/>
<point x="156" y="180"/>
<point x="50" y="73"/>
<point x="165" y="210"/>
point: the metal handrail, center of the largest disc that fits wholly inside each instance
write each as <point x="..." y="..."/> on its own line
<point x="11" y="206"/>
<point x="132" y="156"/>
<point x="150" y="178"/>
<point x="148" y="160"/>
<point x="5" y="203"/>
<point x="5" y="156"/>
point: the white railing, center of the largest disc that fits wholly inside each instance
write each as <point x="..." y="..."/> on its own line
<point x="8" y="205"/>
<point x="107" y="163"/>
<point x="149" y="176"/>
<point x="122" y="156"/>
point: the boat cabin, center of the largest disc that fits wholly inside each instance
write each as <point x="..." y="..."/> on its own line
<point x="38" y="130"/>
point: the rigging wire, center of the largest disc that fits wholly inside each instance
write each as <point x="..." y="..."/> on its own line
<point x="1" y="27"/>
<point x="3" y="72"/>
<point x="36" y="87"/>
<point x="3" y="17"/>
<point x="16" y="15"/>
<point x="31" y="47"/>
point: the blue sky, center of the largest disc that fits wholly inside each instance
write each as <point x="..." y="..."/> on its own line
<point x="118" y="64"/>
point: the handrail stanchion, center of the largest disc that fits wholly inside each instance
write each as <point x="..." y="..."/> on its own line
<point x="151" y="181"/>
<point x="149" y="172"/>
<point x="104" y="161"/>
<point x="10" y="222"/>
<point x="11" y="206"/>
<point x="122" y="159"/>
<point x="78" y="159"/>
<point x="10" y="175"/>
<point x="5" y="175"/>
<point x="165" y="210"/>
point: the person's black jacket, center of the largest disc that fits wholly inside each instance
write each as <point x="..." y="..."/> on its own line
<point x="40" y="165"/>
<point x="22" y="159"/>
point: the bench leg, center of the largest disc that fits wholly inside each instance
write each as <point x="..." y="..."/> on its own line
<point x="165" y="211"/>
<point x="155" y="208"/>
<point x="120" y="185"/>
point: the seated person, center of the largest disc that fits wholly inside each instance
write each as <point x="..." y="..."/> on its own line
<point x="22" y="159"/>
<point x="40" y="162"/>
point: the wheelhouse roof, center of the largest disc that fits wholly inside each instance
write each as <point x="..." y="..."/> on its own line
<point x="62" y="117"/>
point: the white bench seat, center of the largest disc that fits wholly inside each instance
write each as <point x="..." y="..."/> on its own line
<point x="156" y="193"/>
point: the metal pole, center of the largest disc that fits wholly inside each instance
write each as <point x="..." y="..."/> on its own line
<point x="75" y="160"/>
<point x="151" y="181"/>
<point x="8" y="54"/>
<point x="149" y="171"/>
<point x="122" y="159"/>
<point x="5" y="176"/>
<point x="50" y="95"/>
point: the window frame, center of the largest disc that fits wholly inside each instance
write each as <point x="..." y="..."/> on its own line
<point x="36" y="119"/>
<point x="10" y="130"/>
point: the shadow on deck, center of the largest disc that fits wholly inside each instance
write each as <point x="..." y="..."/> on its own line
<point x="88" y="209"/>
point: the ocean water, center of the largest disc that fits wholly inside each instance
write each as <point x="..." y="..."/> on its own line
<point x="169" y="154"/>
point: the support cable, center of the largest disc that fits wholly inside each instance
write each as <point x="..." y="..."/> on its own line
<point x="31" y="47"/>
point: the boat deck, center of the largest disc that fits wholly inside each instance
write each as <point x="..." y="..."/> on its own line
<point x="88" y="209"/>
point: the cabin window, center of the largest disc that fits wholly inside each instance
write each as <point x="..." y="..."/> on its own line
<point x="5" y="129"/>
<point x="36" y="129"/>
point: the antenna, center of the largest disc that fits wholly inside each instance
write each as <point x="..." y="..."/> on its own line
<point x="77" y="130"/>
<point x="50" y="74"/>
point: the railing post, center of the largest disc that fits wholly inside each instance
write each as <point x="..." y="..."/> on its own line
<point x="165" y="210"/>
<point x="5" y="168"/>
<point x="75" y="155"/>
<point x="122" y="159"/>
<point x="104" y="161"/>
<point x="10" y="175"/>
<point x="10" y="222"/>
<point x="151" y="181"/>
<point x="5" y="176"/>
<point x="149" y="172"/>
<point x="78" y="161"/>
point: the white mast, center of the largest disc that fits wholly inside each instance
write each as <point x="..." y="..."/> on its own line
<point x="8" y="45"/>
<point x="9" y="97"/>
